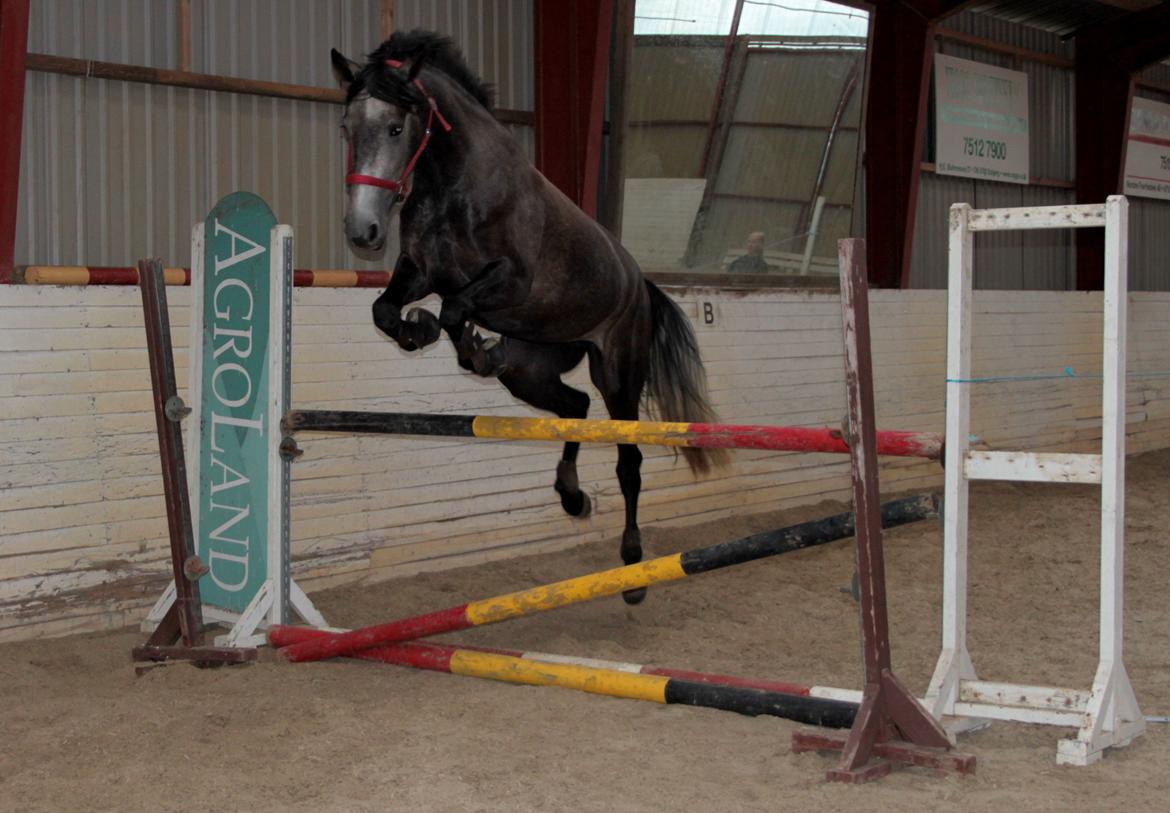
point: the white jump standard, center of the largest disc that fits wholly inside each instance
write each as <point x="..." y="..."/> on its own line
<point x="1107" y="715"/>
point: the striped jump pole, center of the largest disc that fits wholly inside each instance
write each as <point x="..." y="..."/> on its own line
<point x="295" y="635"/>
<point x="512" y="667"/>
<point x="595" y="585"/>
<point x="654" y="433"/>
<point x="128" y="275"/>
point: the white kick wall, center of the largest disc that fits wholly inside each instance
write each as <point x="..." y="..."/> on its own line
<point x="82" y="524"/>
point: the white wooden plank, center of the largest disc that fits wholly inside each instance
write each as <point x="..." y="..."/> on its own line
<point x="773" y="358"/>
<point x="1033" y="467"/>
<point x="1038" y="217"/>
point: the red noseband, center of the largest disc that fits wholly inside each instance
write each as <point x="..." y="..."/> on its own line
<point x="354" y="179"/>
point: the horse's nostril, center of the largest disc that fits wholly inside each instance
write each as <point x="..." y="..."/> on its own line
<point x="372" y="234"/>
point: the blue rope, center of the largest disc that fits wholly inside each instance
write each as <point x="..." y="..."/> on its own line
<point x="1068" y="373"/>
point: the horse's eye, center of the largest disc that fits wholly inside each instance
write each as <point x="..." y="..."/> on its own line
<point x="395" y="129"/>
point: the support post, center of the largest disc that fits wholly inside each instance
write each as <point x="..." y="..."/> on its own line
<point x="897" y="78"/>
<point x="891" y="726"/>
<point x="901" y="53"/>
<point x="619" y="83"/>
<point x="387" y="21"/>
<point x="13" y="50"/>
<point x="572" y="59"/>
<point x="179" y="634"/>
<point x="183" y="35"/>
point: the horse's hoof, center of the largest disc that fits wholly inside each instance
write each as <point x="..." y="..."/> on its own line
<point x="576" y="504"/>
<point x="420" y="327"/>
<point x="634" y="596"/>
<point x="488" y="359"/>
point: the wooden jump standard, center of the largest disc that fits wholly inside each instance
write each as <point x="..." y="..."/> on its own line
<point x="594" y="585"/>
<point x="891" y="726"/>
<point x="512" y="667"/>
<point x="655" y="433"/>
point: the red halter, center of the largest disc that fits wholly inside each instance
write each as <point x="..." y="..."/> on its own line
<point x="354" y="179"/>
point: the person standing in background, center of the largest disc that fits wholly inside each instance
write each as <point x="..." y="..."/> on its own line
<point x="752" y="262"/>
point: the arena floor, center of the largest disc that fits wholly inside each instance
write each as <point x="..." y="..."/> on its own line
<point x="81" y="732"/>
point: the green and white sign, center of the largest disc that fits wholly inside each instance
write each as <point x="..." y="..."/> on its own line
<point x="1147" y="156"/>
<point x="981" y="118"/>
<point x="235" y="431"/>
<point x="239" y="386"/>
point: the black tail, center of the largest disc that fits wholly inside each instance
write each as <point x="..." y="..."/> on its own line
<point x="677" y="382"/>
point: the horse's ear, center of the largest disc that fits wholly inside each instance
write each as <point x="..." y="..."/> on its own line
<point x="343" y="68"/>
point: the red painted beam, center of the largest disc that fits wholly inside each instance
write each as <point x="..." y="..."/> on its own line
<point x="572" y="62"/>
<point x="13" y="49"/>
<point x="437" y="657"/>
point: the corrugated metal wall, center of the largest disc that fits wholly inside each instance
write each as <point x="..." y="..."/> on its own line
<point x="114" y="171"/>
<point x="1030" y="260"/>
<point x="1040" y="260"/>
<point x="1149" y="218"/>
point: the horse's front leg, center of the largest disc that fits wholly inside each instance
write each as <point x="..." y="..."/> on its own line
<point x="467" y="342"/>
<point x="499" y="284"/>
<point x="407" y="284"/>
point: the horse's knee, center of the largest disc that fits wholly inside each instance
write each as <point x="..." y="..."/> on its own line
<point x="420" y="328"/>
<point x="452" y="312"/>
<point x="387" y="318"/>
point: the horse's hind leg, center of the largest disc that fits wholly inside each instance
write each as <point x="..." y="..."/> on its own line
<point x="533" y="374"/>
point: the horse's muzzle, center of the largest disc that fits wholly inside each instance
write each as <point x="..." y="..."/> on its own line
<point x="369" y="236"/>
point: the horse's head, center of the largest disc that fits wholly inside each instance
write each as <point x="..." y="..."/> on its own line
<point x="391" y="114"/>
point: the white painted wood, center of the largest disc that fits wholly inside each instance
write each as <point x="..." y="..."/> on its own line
<point x="243" y="629"/>
<point x="775" y="357"/>
<point x="1020" y="714"/>
<point x="1114" y="716"/>
<point x="811" y="238"/>
<point x="954" y="664"/>
<point x="1013" y="694"/>
<point x="1033" y="467"/>
<point x="1037" y="217"/>
<point x="161" y="607"/>
<point x="1108" y="716"/>
<point x="832" y="693"/>
<point x="279" y="386"/>
<point x="194" y="420"/>
<point x="303" y="606"/>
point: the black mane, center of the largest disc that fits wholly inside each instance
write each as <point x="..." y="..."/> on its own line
<point x="415" y="48"/>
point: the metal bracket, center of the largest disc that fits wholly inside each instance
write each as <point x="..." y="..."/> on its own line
<point x="176" y="409"/>
<point x="194" y="568"/>
<point x="289" y="449"/>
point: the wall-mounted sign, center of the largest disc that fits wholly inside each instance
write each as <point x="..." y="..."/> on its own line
<point x="1147" y="157"/>
<point x="981" y="117"/>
